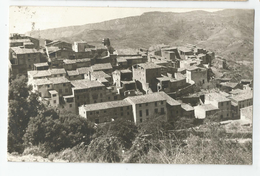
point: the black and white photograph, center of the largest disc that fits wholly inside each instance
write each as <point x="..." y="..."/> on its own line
<point x="130" y="85"/>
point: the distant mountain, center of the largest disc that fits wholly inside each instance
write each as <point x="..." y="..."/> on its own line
<point x="229" y="33"/>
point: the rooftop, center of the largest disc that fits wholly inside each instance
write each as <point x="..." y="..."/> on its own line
<point x="149" y="65"/>
<point x="39" y="73"/>
<point x="85" y="84"/>
<point x="147" y="98"/>
<point x="19" y="40"/>
<point x="72" y="72"/>
<point x="187" y="107"/>
<point x="59" y="80"/>
<point x="229" y="84"/>
<point x="207" y="107"/>
<point x="19" y="50"/>
<point x="218" y="97"/>
<point x="169" y="99"/>
<point x="53" y="91"/>
<point x="83" y="60"/>
<point x="57" y="71"/>
<point x="241" y="97"/>
<point x="44" y="64"/>
<point x="69" y="61"/>
<point x="42" y="81"/>
<point x="100" y="74"/>
<point x="104" y="66"/>
<point x="106" y="105"/>
<point x="83" y="70"/>
<point x="126" y="71"/>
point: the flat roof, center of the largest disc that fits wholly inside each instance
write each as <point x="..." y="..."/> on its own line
<point x="85" y="84"/>
<point x="153" y="97"/>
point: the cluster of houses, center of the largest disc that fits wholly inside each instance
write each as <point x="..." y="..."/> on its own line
<point x="102" y="84"/>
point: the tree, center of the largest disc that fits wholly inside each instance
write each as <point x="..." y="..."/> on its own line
<point x="23" y="104"/>
<point x="56" y="131"/>
<point x="124" y="130"/>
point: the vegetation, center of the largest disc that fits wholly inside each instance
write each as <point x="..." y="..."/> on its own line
<point x="36" y="130"/>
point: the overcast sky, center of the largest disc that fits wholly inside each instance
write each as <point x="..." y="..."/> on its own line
<point x="21" y="18"/>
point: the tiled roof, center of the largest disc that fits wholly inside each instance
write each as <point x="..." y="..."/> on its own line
<point x="42" y="81"/>
<point x="100" y="74"/>
<point x="83" y="60"/>
<point x="19" y="50"/>
<point x="85" y="84"/>
<point x="72" y="72"/>
<point x="44" y="64"/>
<point x="126" y="71"/>
<point x="218" y="97"/>
<point x="57" y="71"/>
<point x="229" y="84"/>
<point x="59" y="80"/>
<point x="83" y="70"/>
<point x="39" y="73"/>
<point x="153" y="97"/>
<point x="106" y="105"/>
<point x="19" y="40"/>
<point x="149" y="65"/>
<point x="104" y="66"/>
<point x="169" y="99"/>
<point x="187" y="107"/>
<point x="207" y="107"/>
<point x="69" y="61"/>
<point x="241" y="97"/>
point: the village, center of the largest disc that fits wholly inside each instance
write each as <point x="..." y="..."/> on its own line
<point x="103" y="84"/>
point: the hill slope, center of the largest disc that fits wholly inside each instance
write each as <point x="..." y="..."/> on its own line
<point x="228" y="33"/>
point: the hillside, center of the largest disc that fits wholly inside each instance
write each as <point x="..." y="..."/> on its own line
<point x="228" y="33"/>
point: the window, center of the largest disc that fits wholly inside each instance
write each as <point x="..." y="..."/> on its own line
<point x="161" y="102"/>
<point x="108" y="98"/>
<point x="54" y="101"/>
<point x="221" y="103"/>
<point x="96" y="120"/>
<point x="162" y="110"/>
<point x="128" y="113"/>
<point x="147" y="112"/>
<point x="115" y="97"/>
<point x="70" y="105"/>
<point x="28" y="55"/>
<point x="105" y="111"/>
<point x="146" y="104"/>
<point x="221" y="116"/>
<point x="66" y="90"/>
<point x="90" y="113"/>
<point x="127" y="107"/>
<point x="227" y="114"/>
<point x="141" y="120"/>
<point x="140" y="113"/>
<point x="77" y="97"/>
<point x="122" y="114"/>
<point x="156" y="110"/>
<point x="155" y="103"/>
<point x="121" y="108"/>
<point x="61" y="74"/>
<point x="97" y="112"/>
<point x="48" y="85"/>
<point x="64" y="85"/>
<point x="54" y="95"/>
<point x="140" y="105"/>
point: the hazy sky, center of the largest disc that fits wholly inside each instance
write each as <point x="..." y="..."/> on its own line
<point x="21" y="18"/>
